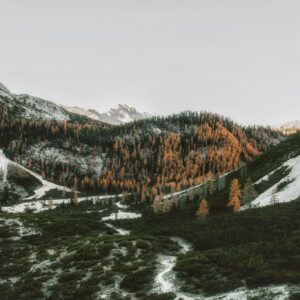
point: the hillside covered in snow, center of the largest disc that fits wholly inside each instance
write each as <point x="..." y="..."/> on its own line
<point x="18" y="182"/>
<point x="29" y="107"/>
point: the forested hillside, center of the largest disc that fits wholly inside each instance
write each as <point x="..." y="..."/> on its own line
<point x="147" y="157"/>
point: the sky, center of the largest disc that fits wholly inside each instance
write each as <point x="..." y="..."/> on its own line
<point x="235" y="57"/>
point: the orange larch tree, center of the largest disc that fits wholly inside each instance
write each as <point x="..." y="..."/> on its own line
<point x="203" y="209"/>
<point x="235" y="195"/>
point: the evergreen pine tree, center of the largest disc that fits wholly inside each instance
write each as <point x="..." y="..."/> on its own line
<point x="249" y="192"/>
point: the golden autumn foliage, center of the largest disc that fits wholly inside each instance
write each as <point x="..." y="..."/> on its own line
<point x="190" y="150"/>
<point x="235" y="195"/>
<point x="203" y="209"/>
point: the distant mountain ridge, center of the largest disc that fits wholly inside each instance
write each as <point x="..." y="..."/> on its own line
<point x="30" y="107"/>
<point x="290" y="127"/>
<point x="120" y="114"/>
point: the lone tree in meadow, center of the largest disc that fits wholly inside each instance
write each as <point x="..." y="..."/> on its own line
<point x="203" y="209"/>
<point x="235" y="195"/>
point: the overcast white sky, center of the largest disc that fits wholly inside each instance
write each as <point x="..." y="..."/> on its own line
<point x="235" y="57"/>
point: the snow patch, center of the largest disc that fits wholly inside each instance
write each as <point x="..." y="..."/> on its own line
<point x="289" y="193"/>
<point x="39" y="192"/>
<point x="120" y="231"/>
<point x="122" y="215"/>
<point x="42" y="205"/>
<point x="82" y="163"/>
<point x="281" y="292"/>
<point x="40" y="109"/>
<point x="165" y="279"/>
<point x="266" y="177"/>
<point x="4" y="162"/>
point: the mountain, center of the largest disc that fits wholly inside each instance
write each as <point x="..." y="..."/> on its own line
<point x="120" y="114"/>
<point x="139" y="158"/>
<point x="290" y="127"/>
<point x="82" y="112"/>
<point x="29" y="107"/>
<point x="34" y="108"/>
<point x="89" y="244"/>
<point x="140" y="210"/>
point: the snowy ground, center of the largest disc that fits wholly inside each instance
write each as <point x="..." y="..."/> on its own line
<point x="83" y="164"/>
<point x="3" y="166"/>
<point x="165" y="282"/>
<point x="42" y="205"/>
<point x="280" y="292"/>
<point x="120" y="231"/>
<point x="165" y="278"/>
<point x="289" y="193"/>
<point x="37" y="108"/>
<point x="121" y="215"/>
<point x="38" y="193"/>
<point x="22" y="230"/>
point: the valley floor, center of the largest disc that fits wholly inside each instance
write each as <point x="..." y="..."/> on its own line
<point x="98" y="250"/>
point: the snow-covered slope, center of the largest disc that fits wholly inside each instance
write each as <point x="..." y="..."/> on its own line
<point x="4" y="162"/>
<point x="83" y="163"/>
<point x="290" y="192"/>
<point x="10" y="171"/>
<point x="82" y="112"/>
<point x="29" y="107"/>
<point x="36" y="108"/>
<point x="46" y="186"/>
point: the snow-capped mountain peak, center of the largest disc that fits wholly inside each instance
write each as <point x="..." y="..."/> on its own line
<point x="120" y="114"/>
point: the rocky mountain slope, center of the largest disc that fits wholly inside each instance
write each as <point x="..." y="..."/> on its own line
<point x="34" y="108"/>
